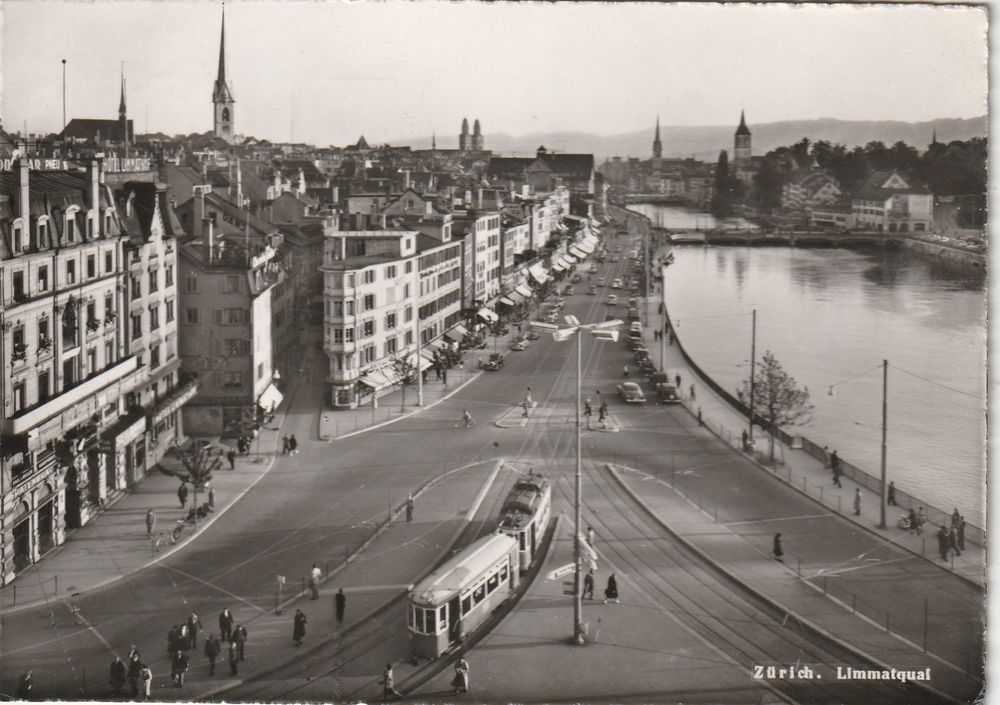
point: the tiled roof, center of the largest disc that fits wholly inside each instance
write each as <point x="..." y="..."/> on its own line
<point x="508" y="166"/>
<point x="89" y="129"/>
<point x="578" y="166"/>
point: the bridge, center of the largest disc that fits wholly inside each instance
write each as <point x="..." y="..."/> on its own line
<point x="790" y="238"/>
<point x="658" y="199"/>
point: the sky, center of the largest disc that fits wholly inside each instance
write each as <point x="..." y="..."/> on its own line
<point x="328" y="72"/>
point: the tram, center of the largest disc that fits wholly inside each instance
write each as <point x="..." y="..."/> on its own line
<point x="457" y="597"/>
<point x="525" y="515"/>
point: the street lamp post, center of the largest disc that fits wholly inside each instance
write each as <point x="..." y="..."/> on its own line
<point x="753" y="360"/>
<point x="607" y="330"/>
<point x="885" y="418"/>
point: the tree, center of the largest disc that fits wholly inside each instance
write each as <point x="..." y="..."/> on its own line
<point x="777" y="400"/>
<point x="199" y="463"/>
<point x="405" y="372"/>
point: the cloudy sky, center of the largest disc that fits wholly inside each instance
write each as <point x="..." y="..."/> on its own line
<point x="326" y="72"/>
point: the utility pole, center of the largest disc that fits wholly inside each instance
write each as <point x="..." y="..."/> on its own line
<point x="64" y="96"/>
<point x="885" y="418"/>
<point x="753" y="362"/>
<point x="577" y="553"/>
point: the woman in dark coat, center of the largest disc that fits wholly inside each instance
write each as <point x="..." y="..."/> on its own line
<point x="778" y="553"/>
<point x="225" y="625"/>
<point x="299" y="629"/>
<point x="611" y="591"/>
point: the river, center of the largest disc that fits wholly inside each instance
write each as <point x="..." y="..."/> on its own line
<point x="831" y="316"/>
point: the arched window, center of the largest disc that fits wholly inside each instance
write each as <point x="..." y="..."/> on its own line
<point x="225" y="114"/>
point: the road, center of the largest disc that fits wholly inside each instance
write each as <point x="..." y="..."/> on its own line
<point x="319" y="505"/>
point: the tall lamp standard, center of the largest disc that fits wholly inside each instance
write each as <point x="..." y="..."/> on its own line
<point x="606" y="330"/>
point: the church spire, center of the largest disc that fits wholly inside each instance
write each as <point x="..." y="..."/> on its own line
<point x="743" y="129"/>
<point x="222" y="96"/>
<point x="121" y="103"/>
<point x="222" y="49"/>
<point x="657" y="145"/>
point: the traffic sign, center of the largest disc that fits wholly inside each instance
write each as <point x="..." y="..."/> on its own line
<point x="561" y="571"/>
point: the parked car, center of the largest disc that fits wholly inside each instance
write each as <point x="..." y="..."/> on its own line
<point x="522" y="344"/>
<point x="633" y="314"/>
<point x="631" y="393"/>
<point x="612" y="300"/>
<point x="569" y="290"/>
<point x="616" y="284"/>
<point x="593" y="269"/>
<point x="533" y="335"/>
<point x="641" y="353"/>
<point x="592" y="290"/>
<point x="600" y="281"/>
<point x="633" y="301"/>
<point x="616" y="259"/>
<point x="667" y="393"/>
<point x="576" y="278"/>
<point x="495" y="362"/>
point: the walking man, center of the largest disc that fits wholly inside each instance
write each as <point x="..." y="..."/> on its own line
<point x="194" y="623"/>
<point x="942" y="537"/>
<point x="211" y="497"/>
<point x="409" y="508"/>
<point x="150" y="522"/>
<point x="145" y="681"/>
<point x="953" y="540"/>
<point x="225" y="625"/>
<point x="461" y="679"/>
<point x="857" y="501"/>
<point x="134" y="672"/>
<point x="211" y="652"/>
<point x="341" y="604"/>
<point x="389" y="684"/>
<point x="231" y="457"/>
<point x="234" y="658"/>
<point x="590" y="536"/>
<point x="178" y="667"/>
<point x="299" y="628"/>
<point x="182" y="494"/>
<point x="890" y="495"/>
<point x="117" y="675"/>
<point x="677" y="380"/>
<point x="692" y="392"/>
<point x="611" y="591"/>
<point x="835" y="466"/>
<point x="588" y="586"/>
<point x="961" y="532"/>
<point x="777" y="551"/>
<point x="314" y="577"/>
<point x="240" y="637"/>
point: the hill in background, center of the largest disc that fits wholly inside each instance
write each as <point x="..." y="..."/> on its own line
<point x="705" y="142"/>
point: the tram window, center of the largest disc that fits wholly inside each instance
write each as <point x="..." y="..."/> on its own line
<point x="521" y="536"/>
<point x="503" y="572"/>
<point x="420" y="620"/>
<point x="409" y="616"/>
<point x="479" y="593"/>
<point x="442" y="618"/>
<point x="492" y="582"/>
<point x="466" y="604"/>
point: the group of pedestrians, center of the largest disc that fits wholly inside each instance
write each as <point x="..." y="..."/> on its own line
<point x="951" y="539"/>
<point x="832" y="462"/>
<point x="289" y="444"/>
<point x="135" y="672"/>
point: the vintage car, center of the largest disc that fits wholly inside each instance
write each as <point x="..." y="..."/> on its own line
<point x="495" y="362"/>
<point x="631" y="393"/>
<point x="667" y="393"/>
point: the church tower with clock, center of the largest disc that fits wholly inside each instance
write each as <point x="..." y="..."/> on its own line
<point x="222" y="96"/>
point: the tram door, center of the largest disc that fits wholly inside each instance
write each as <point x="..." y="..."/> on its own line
<point x="454" y="616"/>
<point x="534" y="537"/>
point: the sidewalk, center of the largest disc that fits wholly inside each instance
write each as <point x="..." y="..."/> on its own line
<point x="114" y="544"/>
<point x="798" y="468"/>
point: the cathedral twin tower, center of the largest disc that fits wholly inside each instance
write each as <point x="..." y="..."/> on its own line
<point x="473" y="142"/>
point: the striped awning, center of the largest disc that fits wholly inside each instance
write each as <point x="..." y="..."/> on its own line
<point x="538" y="272"/>
<point x="557" y="265"/>
<point x="524" y="290"/>
<point x="377" y="380"/>
<point x="578" y="252"/>
<point x="457" y="333"/>
<point x="506" y="301"/>
<point x="487" y="315"/>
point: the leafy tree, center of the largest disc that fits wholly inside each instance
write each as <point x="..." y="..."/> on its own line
<point x="199" y="463"/>
<point x="405" y="372"/>
<point x="777" y="400"/>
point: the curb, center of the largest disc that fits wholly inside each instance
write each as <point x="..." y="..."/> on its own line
<point x="772" y="603"/>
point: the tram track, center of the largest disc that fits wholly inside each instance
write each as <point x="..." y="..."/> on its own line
<point x="700" y="598"/>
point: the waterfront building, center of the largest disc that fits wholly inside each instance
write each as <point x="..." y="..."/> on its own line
<point x="235" y="309"/>
<point x="89" y="382"/>
<point x="224" y="124"/>
<point x="835" y="215"/>
<point x="890" y="203"/>
<point x="383" y="289"/>
<point x="805" y="192"/>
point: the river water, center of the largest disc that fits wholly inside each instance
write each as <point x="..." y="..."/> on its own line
<point x="831" y="316"/>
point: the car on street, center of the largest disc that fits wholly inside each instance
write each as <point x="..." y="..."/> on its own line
<point x="616" y="284"/>
<point x="616" y="259"/>
<point x="612" y="300"/>
<point x="600" y="281"/>
<point x="551" y="317"/>
<point x="633" y="301"/>
<point x="633" y="314"/>
<point x="592" y="290"/>
<point x="569" y="291"/>
<point x="533" y="335"/>
<point x="576" y="278"/>
<point x="593" y="269"/>
<point x="522" y="344"/>
<point x="667" y="393"/>
<point x="631" y="393"/>
<point x="495" y="362"/>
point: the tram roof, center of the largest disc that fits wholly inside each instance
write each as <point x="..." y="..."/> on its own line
<point x="462" y="569"/>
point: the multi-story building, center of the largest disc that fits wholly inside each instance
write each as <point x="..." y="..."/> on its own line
<point x="809" y="190"/>
<point x="889" y="203"/>
<point x="227" y="302"/>
<point x="481" y="258"/>
<point x="89" y="391"/>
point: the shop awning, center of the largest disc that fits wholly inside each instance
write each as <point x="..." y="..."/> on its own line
<point x="524" y="290"/>
<point x="437" y="344"/>
<point x="457" y="333"/>
<point x="377" y="380"/>
<point x="558" y="266"/>
<point x="577" y="252"/>
<point x="538" y="272"/>
<point x="487" y="315"/>
<point x="506" y="301"/>
<point x="271" y="397"/>
<point x="516" y="296"/>
<point x="424" y="362"/>
<point x="586" y="245"/>
<point x="569" y="259"/>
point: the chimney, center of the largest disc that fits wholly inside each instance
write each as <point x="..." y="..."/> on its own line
<point x="93" y="195"/>
<point x="428" y="207"/>
<point x="24" y="193"/>
<point x="208" y="244"/>
<point x="199" y="211"/>
<point x="239" y="184"/>
<point x="407" y="173"/>
<point x="479" y="198"/>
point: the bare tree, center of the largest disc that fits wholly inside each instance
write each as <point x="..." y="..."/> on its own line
<point x="777" y="400"/>
<point x="199" y="463"/>
<point x="405" y="372"/>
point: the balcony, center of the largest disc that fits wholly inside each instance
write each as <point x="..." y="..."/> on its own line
<point x="80" y="400"/>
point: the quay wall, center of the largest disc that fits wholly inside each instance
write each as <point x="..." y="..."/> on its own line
<point x="871" y="482"/>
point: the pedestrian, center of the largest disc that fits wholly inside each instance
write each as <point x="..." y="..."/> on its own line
<point x="670" y="337"/>
<point x="145" y="681"/>
<point x="24" y="685"/>
<point x="461" y="680"/>
<point x="602" y="411"/>
<point x="625" y="371"/>
<point x="921" y="520"/>
<point x="234" y="658"/>
<point x="211" y="652"/>
<point x="389" y="684"/>
<point x="943" y="542"/>
<point x="524" y="408"/>
<point x="182" y="636"/>
<point x="211" y="498"/>
<point x="172" y="637"/>
<point x="299" y="628"/>
<point x="776" y="550"/>
<point x="857" y="501"/>
<point x="285" y="444"/>
<point x="117" y="675"/>
<point x="409" y="508"/>
<point x="134" y="672"/>
<point x="231" y="457"/>
<point x="961" y="532"/>
<point x="911" y="521"/>
<point x="590" y="536"/>
<point x="953" y="540"/>
<point x="294" y="444"/>
<point x="955" y="516"/>
<point x="826" y="458"/>
<point x="444" y="376"/>
<point x="150" y="522"/>
<point x="588" y="586"/>
<point x="182" y="494"/>
<point x="745" y="439"/>
<point x="692" y="392"/>
<point x="314" y="577"/>
<point x="240" y="637"/>
<point x="178" y="667"/>
<point x="890" y="495"/>
<point x="193" y="625"/>
<point x="611" y="591"/>
<point x="423" y="376"/>
<point x="677" y="380"/>
<point x="225" y="625"/>
<point x="341" y="603"/>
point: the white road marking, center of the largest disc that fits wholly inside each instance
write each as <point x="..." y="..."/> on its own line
<point x="482" y="493"/>
<point x="757" y="521"/>
<point x="216" y="587"/>
<point x="79" y="615"/>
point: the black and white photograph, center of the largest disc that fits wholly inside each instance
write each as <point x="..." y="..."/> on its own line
<point x="488" y="353"/>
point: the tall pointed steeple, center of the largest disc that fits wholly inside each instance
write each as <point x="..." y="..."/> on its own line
<point x="743" y="129"/>
<point x="742" y="144"/>
<point x="222" y="96"/>
<point x="657" y="145"/>
<point x="934" y="137"/>
<point x="121" y="104"/>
